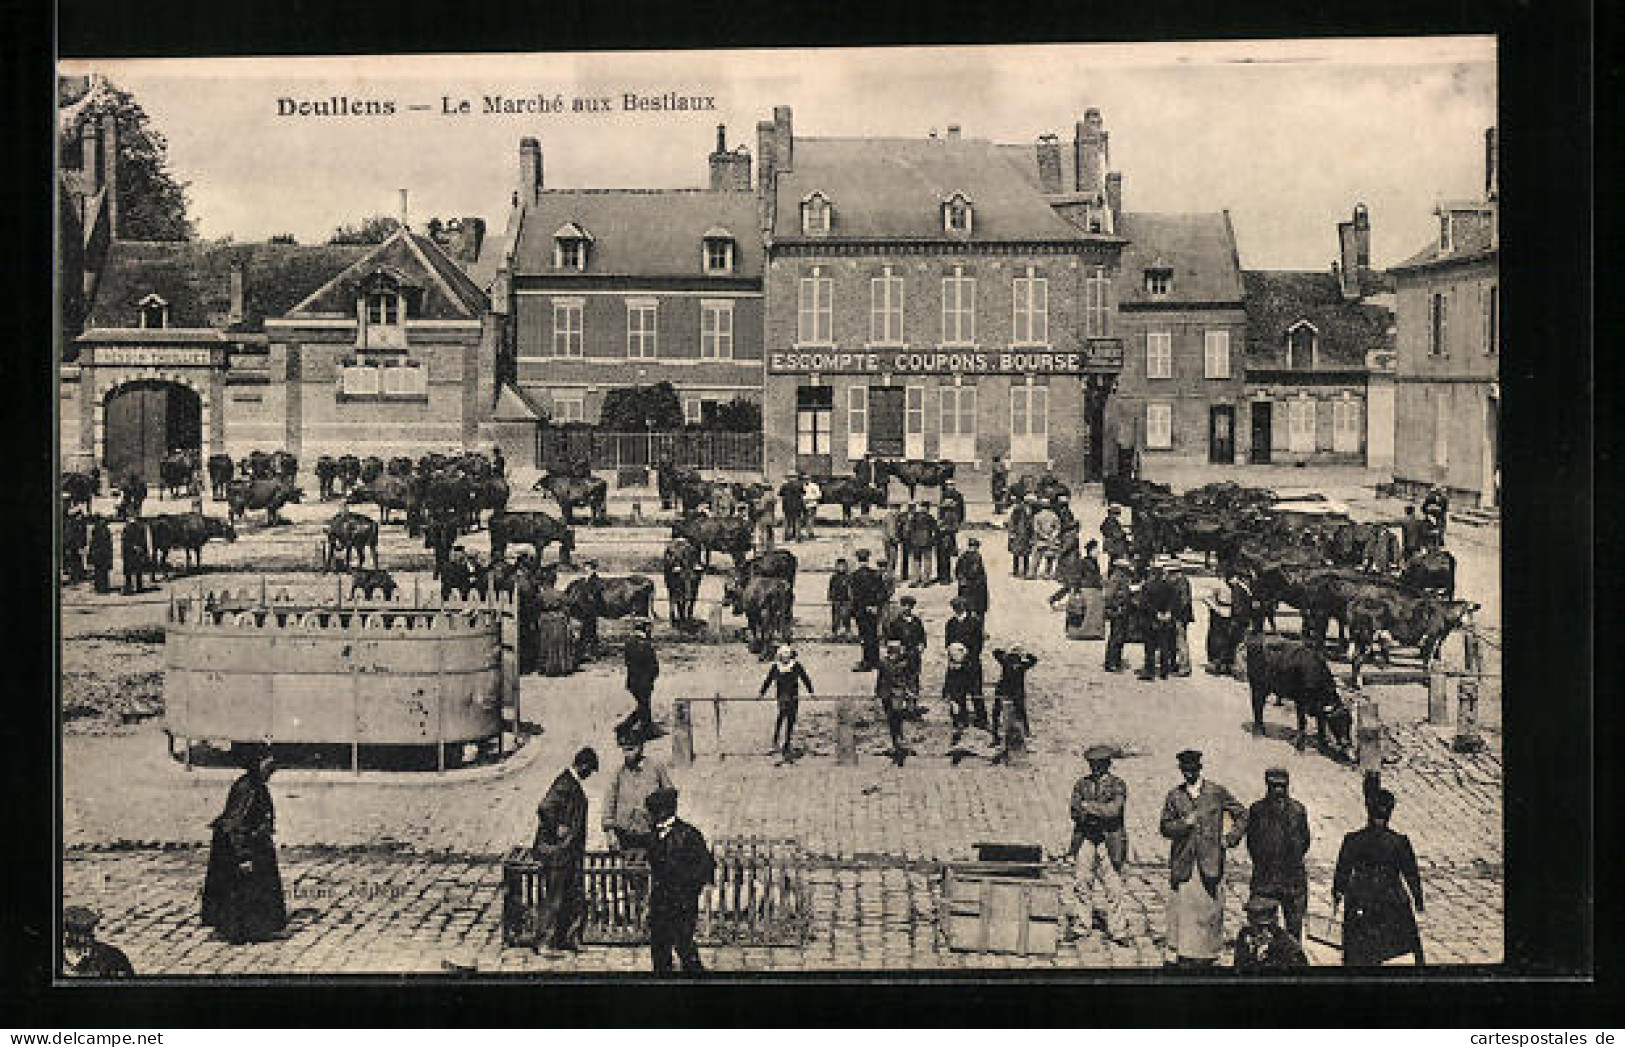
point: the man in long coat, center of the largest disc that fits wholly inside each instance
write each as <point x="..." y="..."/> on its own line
<point x="999" y="484"/>
<point x="642" y="669"/>
<point x="680" y="867"/>
<point x="1159" y="601"/>
<point x="1277" y="840"/>
<point x="971" y="573"/>
<point x="133" y="548"/>
<point x="1020" y="528"/>
<point x="1116" y="539"/>
<point x="561" y="844"/>
<point x="101" y="553"/>
<point x="920" y="541"/>
<point x="947" y="543"/>
<point x="966" y="628"/>
<point x="868" y="592"/>
<point x="242" y="890"/>
<point x="892" y="528"/>
<point x="1193" y="821"/>
<point x="1376" y="867"/>
<point x="1120" y="600"/>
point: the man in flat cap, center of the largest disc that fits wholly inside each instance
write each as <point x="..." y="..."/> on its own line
<point x="561" y="845"/>
<point x="1262" y="945"/>
<point x="907" y="629"/>
<point x="867" y="589"/>
<point x="85" y="957"/>
<point x="971" y="573"/>
<point x="1099" y="846"/>
<point x="592" y="599"/>
<point x="1193" y="821"/>
<point x="642" y="669"/>
<point x="1111" y="531"/>
<point x="1277" y="841"/>
<point x="680" y="867"/>
<point x="625" y="819"/>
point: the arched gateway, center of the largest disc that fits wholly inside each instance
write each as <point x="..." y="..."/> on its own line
<point x="146" y="420"/>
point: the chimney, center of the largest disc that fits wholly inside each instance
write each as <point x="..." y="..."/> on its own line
<point x="530" y="168"/>
<point x="405" y="214"/>
<point x="1049" y="164"/>
<point x="470" y="239"/>
<point x="1353" y="251"/>
<point x="766" y="182"/>
<point x="1114" y="192"/>
<point x="110" y="170"/>
<point x="1492" y="180"/>
<point x="730" y="171"/>
<point x="953" y="130"/>
<point x="784" y="134"/>
<point x="1090" y="154"/>
<point x="236" y="316"/>
<point x="90" y="144"/>
<point x="1362" y="236"/>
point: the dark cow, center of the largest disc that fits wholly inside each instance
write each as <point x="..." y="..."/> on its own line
<point x="387" y="492"/>
<point x="491" y="494"/>
<point x="1126" y="490"/>
<point x="372" y="467"/>
<point x="850" y="493"/>
<point x="270" y="495"/>
<point x="1294" y="673"/>
<point x="370" y="580"/>
<point x="1432" y="571"/>
<point x="680" y="564"/>
<point x="257" y="466"/>
<point x="80" y="488"/>
<point x="177" y="473"/>
<point x="1044" y="486"/>
<point x="1323" y="596"/>
<point x="671" y="479"/>
<point x="570" y="491"/>
<point x="327" y="472"/>
<point x="766" y="605"/>
<point x="349" y="471"/>
<point x="285" y="466"/>
<point x="400" y="465"/>
<point x="220" y="470"/>
<point x="188" y="532"/>
<point x="535" y="529"/>
<point x="729" y="534"/>
<point x="1379" y="618"/>
<point x="617" y="598"/>
<point x="914" y="474"/>
<point x="353" y="533"/>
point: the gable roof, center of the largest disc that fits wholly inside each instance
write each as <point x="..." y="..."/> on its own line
<point x="1277" y="301"/>
<point x="894" y="188"/>
<point x="638" y="232"/>
<point x="1199" y="248"/>
<point x="448" y="293"/>
<point x="194" y="277"/>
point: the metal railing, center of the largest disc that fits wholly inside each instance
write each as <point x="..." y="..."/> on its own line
<point x="560" y="448"/>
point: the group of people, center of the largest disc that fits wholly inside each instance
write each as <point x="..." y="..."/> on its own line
<point x="921" y="540"/>
<point x="1376" y="880"/>
<point x="87" y="551"/>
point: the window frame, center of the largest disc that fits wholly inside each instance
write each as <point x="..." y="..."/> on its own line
<point x="961" y="306"/>
<point x="727" y="266"/>
<point x="564" y="307"/>
<point x="884" y="305"/>
<point x="816" y="205"/>
<point x="820" y="311"/>
<point x="1097" y="303"/>
<point x="391" y="311"/>
<point x="1026" y="436"/>
<point x="1438" y="324"/>
<point x="1029" y="304"/>
<point x="1159" y="283"/>
<point x="561" y="409"/>
<point x="717" y="339"/>
<point x="1301" y="408"/>
<point x="1211" y="339"/>
<point x="1166" y="356"/>
<point x="1346" y="425"/>
<point x="815" y="425"/>
<point x="1163" y="410"/>
<point x="563" y="247"/>
<point x="954" y="442"/>
<point x="647" y="339"/>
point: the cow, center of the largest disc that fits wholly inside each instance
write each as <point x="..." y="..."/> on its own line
<point x="569" y="491"/>
<point x="1378" y="619"/>
<point x="1323" y="596"/>
<point x="1294" y="673"/>
<point x="728" y="534"/>
<point x="915" y="474"/>
<point x="1126" y="490"/>
<point x="849" y="493"/>
<point x="670" y="479"/>
<point x="370" y="580"/>
<point x="386" y="493"/>
<point x="188" y="532"/>
<point x="1431" y="571"/>
<point x="353" y="533"/>
<point x="285" y="466"/>
<point x="349" y="471"/>
<point x="766" y="604"/>
<point x="535" y="529"/>
<point x="617" y="598"/>
<point x="372" y="467"/>
<point x="80" y="488"/>
<point x="400" y="465"/>
<point x="177" y="473"/>
<point x="258" y="465"/>
<point x="490" y="493"/>
<point x="270" y="495"/>
<point x="220" y="470"/>
<point x="680" y="564"/>
<point x="1346" y="543"/>
<point x="1046" y="487"/>
<point x="327" y="471"/>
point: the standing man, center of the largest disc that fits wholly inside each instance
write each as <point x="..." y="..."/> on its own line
<point x="863" y="470"/>
<point x="101" y="553"/>
<point x="74" y="536"/>
<point x="999" y="483"/>
<point x="642" y="669"/>
<point x="792" y="497"/>
<point x="1277" y="840"/>
<point x="811" y="493"/>
<point x="947" y="544"/>
<point x="1160" y="602"/>
<point x="763" y="515"/>
<point x="1184" y="615"/>
<point x="1014" y="665"/>
<point x="892" y="527"/>
<point x="921" y="539"/>
<point x="1020" y="528"/>
<point x="908" y="630"/>
<point x="133" y="547"/>
<point x="786" y="676"/>
<point x="966" y="628"/>
<point x="1223" y="631"/>
<point x="680" y="867"/>
<point x="868" y="589"/>
<point x="1436" y="509"/>
<point x="1413" y="533"/>
<point x="951" y="506"/>
<point x="1116" y="539"/>
<point x="1099" y="846"/>
<point x="892" y="688"/>
<point x="625" y="820"/>
<point x="133" y="493"/>
<point x="839" y="594"/>
<point x="1120" y="600"/>
<point x="592" y="599"/>
<point x="1193" y="821"/>
<point x="971" y="574"/>
<point x="85" y="957"/>
<point x="561" y="845"/>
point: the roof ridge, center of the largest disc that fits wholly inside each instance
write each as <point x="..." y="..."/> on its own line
<point x="697" y="191"/>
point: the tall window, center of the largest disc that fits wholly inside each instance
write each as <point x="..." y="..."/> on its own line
<point x="815" y="214"/>
<point x="814" y="317"/>
<point x="1029" y="423"/>
<point x="914" y="422"/>
<point x="640" y="330"/>
<point x="857" y="421"/>
<point x="1031" y="294"/>
<point x="1346" y="426"/>
<point x="1159" y="426"/>
<point x="1438" y="325"/>
<point x="716" y="330"/>
<point x="1300" y="346"/>
<point x="958" y="308"/>
<point x="567" y="328"/>
<point x="1216" y="354"/>
<point x="1096" y="316"/>
<point x="958" y="422"/>
<point x="815" y="405"/>
<point x="1441" y="429"/>
<point x="1159" y="354"/>
<point x="886" y="309"/>
<point x="569" y="253"/>
<point x="1492" y="320"/>
<point x="1301" y="425"/>
<point x="719" y="255"/>
<point x="383" y="307"/>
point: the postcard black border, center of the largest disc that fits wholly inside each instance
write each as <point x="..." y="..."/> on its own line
<point x="1546" y="74"/>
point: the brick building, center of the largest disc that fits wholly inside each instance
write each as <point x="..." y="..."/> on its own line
<point x="926" y="298"/>
<point x="603" y="288"/>
<point x="1319" y="345"/>
<point x="1449" y="344"/>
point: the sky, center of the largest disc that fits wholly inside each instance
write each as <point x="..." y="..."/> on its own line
<point x="1287" y="135"/>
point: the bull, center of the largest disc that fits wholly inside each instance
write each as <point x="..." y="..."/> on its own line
<point x="615" y="598"/>
<point x="730" y="534"/>
<point x="850" y="493"/>
<point x="270" y="495"/>
<point x="220" y="472"/>
<point x="188" y="532"/>
<point x="386" y="493"/>
<point x="1378" y="619"/>
<point x="914" y="474"/>
<point x="353" y="533"/>
<point x="569" y="491"/>
<point x="680" y="565"/>
<point x="535" y="529"/>
<point x="766" y="604"/>
<point x="371" y="580"/>
<point x="327" y="472"/>
<point x="349" y="471"/>
<point x="1297" y="674"/>
<point x="177" y="473"/>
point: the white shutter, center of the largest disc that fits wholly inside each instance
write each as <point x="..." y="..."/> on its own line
<point x="1159" y="426"/>
<point x="857" y="422"/>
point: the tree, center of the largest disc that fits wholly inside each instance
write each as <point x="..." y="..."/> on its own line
<point x="374" y="230"/>
<point x="152" y="201"/>
<point x="739" y="415"/>
<point x="282" y="238"/>
<point x="637" y="408"/>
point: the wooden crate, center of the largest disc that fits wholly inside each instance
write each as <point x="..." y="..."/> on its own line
<point x="1000" y="907"/>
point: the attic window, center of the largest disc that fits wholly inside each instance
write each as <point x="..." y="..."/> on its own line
<point x="1302" y="345"/>
<point x="154" y="311"/>
<point x="815" y="214"/>
<point x="719" y="252"/>
<point x="1444" y="230"/>
<point x="956" y="215"/>
<point x="570" y="247"/>
<point x="384" y="308"/>
<point x="1159" y="280"/>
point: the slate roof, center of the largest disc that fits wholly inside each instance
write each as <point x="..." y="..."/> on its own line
<point x="1277" y="300"/>
<point x="893" y="189"/>
<point x="640" y="232"/>
<point x="194" y="277"/>
<point x="483" y="270"/>
<point x="1472" y="236"/>
<point x="1200" y="248"/>
<point x="451" y="297"/>
<point x="1025" y="159"/>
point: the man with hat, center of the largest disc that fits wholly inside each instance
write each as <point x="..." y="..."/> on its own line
<point x="134" y="544"/>
<point x="75" y="534"/>
<point x="1184" y="615"/>
<point x="242" y="887"/>
<point x="839" y="594"/>
<point x="868" y="594"/>
<point x="792" y="497"/>
<point x="592" y="604"/>
<point x="908" y="630"/>
<point x="920" y="543"/>
<point x="680" y="867"/>
<point x="642" y="669"/>
<point x="625" y="820"/>
<point x="1121" y="600"/>
<point x="971" y="574"/>
<point x="1020" y="528"/>
<point x="1159" y="603"/>
<point x="968" y="629"/>
<point x="892" y="687"/>
<point x="561" y="845"/>
<point x="952" y="505"/>
<point x="999" y="484"/>
<point x="892" y="528"/>
<point x="1099" y="845"/>
<point x="1193" y="822"/>
<point x="1277" y="841"/>
<point x="947" y="546"/>
<point x="85" y="957"/>
<point x="1262" y="945"/>
<point x="101" y="552"/>
<point x="1111" y="530"/>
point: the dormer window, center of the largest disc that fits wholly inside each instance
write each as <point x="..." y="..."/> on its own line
<point x="570" y="245"/>
<point x="1159" y="280"/>
<point x="1302" y="345"/>
<point x="1444" y="230"/>
<point x="718" y="252"/>
<point x="154" y="311"/>
<point x="384" y="307"/>
<point x="956" y="215"/>
<point x="386" y="301"/>
<point x="815" y="215"/>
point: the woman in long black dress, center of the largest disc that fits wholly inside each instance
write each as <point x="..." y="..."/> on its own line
<point x="242" y="892"/>
<point x="1375" y="868"/>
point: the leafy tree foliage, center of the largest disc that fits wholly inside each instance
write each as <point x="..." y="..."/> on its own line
<point x="639" y="408"/>
<point x="374" y="230"/>
<point x="739" y="415"/>
<point x="152" y="201"/>
<point x="282" y="238"/>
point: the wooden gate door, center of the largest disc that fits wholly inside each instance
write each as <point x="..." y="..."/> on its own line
<point x="886" y="420"/>
<point x="1263" y="433"/>
<point x="137" y="425"/>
